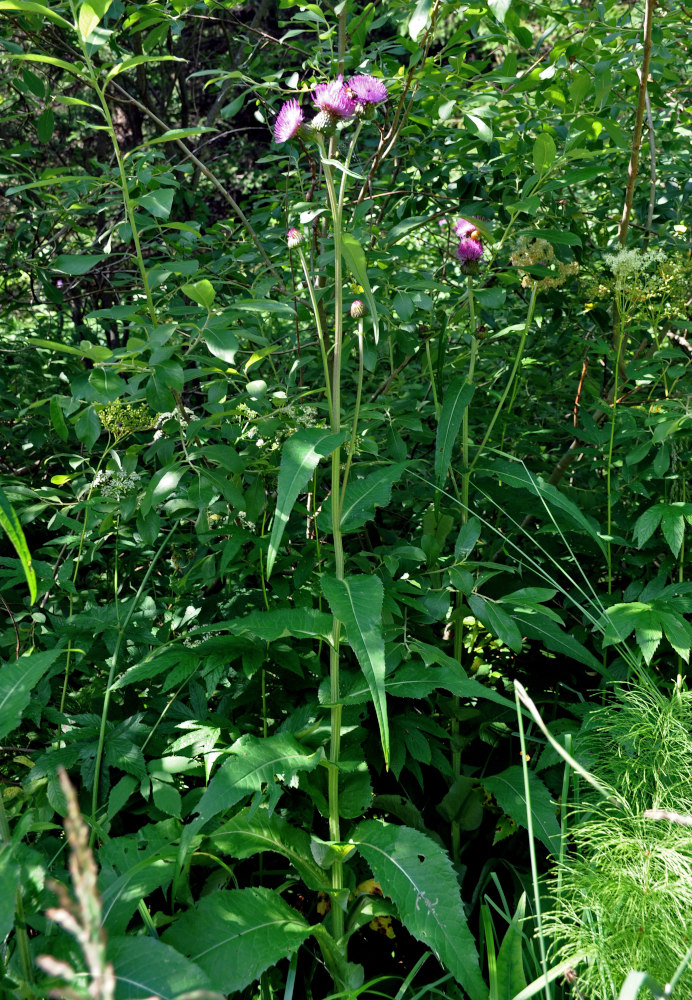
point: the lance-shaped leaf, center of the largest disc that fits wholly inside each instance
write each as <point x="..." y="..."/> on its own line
<point x="301" y="623"/>
<point x="355" y="258"/>
<point x="362" y="496"/>
<point x="253" y="763"/>
<point x="236" y="934"/>
<point x="299" y="458"/>
<point x="253" y="831"/>
<point x="458" y="395"/>
<point x="13" y="529"/>
<point x="357" y="602"/>
<point x="508" y="789"/>
<point x="418" y="876"/>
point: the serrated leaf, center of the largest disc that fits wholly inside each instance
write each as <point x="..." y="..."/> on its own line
<point x="300" y="456"/>
<point x="236" y="934"/>
<point x="122" y="896"/>
<point x="673" y="528"/>
<point x="164" y="658"/>
<point x="10" y="524"/>
<point x="17" y="680"/>
<point x="301" y="623"/>
<point x="458" y="395"/>
<point x="145" y="967"/>
<point x="418" y="876"/>
<point x="678" y="632"/>
<point x="496" y="620"/>
<point x="253" y="831"/>
<point x="646" y="524"/>
<point x="357" y="602"/>
<point x="508" y="789"/>
<point x="362" y="496"/>
<point x="253" y="763"/>
<point x="620" y="620"/>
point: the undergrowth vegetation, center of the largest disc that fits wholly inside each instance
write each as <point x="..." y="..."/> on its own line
<point x="344" y="445"/>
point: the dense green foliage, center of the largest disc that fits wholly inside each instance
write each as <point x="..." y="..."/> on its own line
<point x="294" y="523"/>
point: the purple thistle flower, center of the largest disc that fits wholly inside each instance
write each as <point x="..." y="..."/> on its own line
<point x="334" y="99"/>
<point x="294" y="238"/>
<point x="462" y="227"/>
<point x="357" y="309"/>
<point x="367" y="89"/>
<point x="289" y="121"/>
<point x="469" y="251"/>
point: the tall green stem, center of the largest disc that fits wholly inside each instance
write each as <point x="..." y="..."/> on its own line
<point x="337" y="871"/>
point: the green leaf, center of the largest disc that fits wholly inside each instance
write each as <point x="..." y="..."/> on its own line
<point x="202" y="292"/>
<point x="458" y="395"/>
<point x="620" y="620"/>
<point x="133" y="61"/>
<point x="481" y="127"/>
<point x="673" y="528"/>
<point x="162" y="484"/>
<point x="157" y="203"/>
<point x="496" y="620"/>
<point x="354" y="256"/>
<point x="357" y="602"/>
<point x="236" y="934"/>
<point x="420" y="18"/>
<point x="510" y="961"/>
<point x="300" y="456"/>
<point x="646" y="524"/>
<point x="553" y="637"/>
<point x="145" y="967"/>
<point x="508" y="789"/>
<point x="253" y="831"/>
<point x="544" y="152"/>
<point x="517" y="475"/>
<point x="301" y="623"/>
<point x="166" y="376"/>
<point x="253" y="763"/>
<point x="678" y="632"/>
<point x="10" y="524"/>
<point x="45" y="124"/>
<point x="499" y="8"/>
<point x="418" y="876"/>
<point x="9" y="883"/>
<point x="77" y="263"/>
<point x="17" y="680"/>
<point x="57" y="419"/>
<point x="91" y="13"/>
<point x="122" y="896"/>
<point x="222" y="344"/>
<point x="362" y="496"/>
<point x="28" y="7"/>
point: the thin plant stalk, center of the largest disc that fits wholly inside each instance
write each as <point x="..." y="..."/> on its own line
<point x="356" y="414"/>
<point x="609" y="463"/>
<point x="111" y="678"/>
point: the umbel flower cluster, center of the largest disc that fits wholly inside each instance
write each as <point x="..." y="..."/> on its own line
<point x="529" y="253"/>
<point x="334" y="102"/>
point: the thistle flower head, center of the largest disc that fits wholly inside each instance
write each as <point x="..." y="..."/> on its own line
<point x="367" y="89"/>
<point x="324" y="123"/>
<point x="469" y="253"/>
<point x="289" y="121"/>
<point x="294" y="238"/>
<point x="465" y="228"/>
<point x="357" y="309"/>
<point x="334" y="99"/>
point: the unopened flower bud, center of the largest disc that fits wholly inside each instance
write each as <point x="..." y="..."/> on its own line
<point x="324" y="123"/>
<point x="294" y="238"/>
<point x="357" y="309"/>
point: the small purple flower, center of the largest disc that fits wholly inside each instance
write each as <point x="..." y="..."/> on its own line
<point x="294" y="238"/>
<point x="357" y="309"/>
<point x="289" y="121"/>
<point x="367" y="89"/>
<point x="334" y="99"/>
